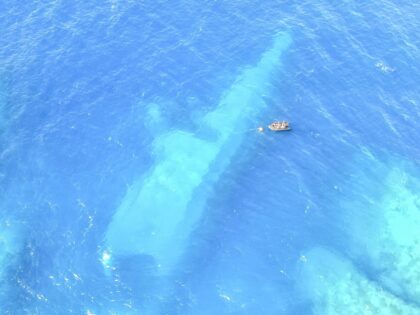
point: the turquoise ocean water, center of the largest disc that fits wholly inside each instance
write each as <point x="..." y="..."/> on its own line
<point x="133" y="179"/>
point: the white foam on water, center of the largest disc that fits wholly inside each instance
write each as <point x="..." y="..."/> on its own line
<point x="154" y="218"/>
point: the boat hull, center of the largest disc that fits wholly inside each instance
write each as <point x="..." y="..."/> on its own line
<point x="277" y="130"/>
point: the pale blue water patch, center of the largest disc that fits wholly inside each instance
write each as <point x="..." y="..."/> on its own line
<point x="11" y="225"/>
<point x="2" y="107"/>
<point x="379" y="243"/>
<point x="10" y="245"/>
<point x="336" y="286"/>
<point x="390" y="254"/>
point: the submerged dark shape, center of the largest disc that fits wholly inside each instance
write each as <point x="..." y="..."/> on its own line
<point x="160" y="211"/>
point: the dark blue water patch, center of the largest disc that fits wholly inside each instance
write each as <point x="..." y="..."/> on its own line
<point x="93" y="55"/>
<point x="344" y="103"/>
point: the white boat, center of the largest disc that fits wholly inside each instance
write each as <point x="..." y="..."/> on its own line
<point x="279" y="126"/>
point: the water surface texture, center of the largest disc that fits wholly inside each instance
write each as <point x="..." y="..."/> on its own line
<point x="133" y="179"/>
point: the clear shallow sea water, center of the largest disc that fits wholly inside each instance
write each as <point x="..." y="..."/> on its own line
<point x="132" y="180"/>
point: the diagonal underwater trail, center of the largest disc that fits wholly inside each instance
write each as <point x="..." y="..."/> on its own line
<point x="156" y="217"/>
